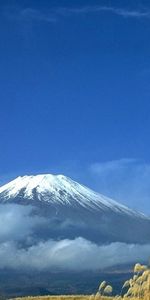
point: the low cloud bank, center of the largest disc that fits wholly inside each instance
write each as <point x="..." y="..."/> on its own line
<point x="22" y="249"/>
<point x="17" y="222"/>
<point x="78" y="254"/>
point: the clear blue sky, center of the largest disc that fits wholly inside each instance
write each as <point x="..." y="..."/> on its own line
<point x="74" y="83"/>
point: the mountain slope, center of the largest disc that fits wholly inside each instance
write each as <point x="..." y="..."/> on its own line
<point x="72" y="210"/>
<point x="58" y="189"/>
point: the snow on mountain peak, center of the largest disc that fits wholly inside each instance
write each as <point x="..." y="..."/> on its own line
<point x="42" y="183"/>
<point x="61" y="190"/>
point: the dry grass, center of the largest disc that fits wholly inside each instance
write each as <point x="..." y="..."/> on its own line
<point x="77" y="297"/>
<point x="62" y="297"/>
<point x="137" y="288"/>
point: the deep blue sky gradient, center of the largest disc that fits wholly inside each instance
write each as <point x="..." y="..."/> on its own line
<point x="75" y="89"/>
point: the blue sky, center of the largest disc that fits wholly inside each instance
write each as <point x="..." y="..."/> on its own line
<point x="75" y="93"/>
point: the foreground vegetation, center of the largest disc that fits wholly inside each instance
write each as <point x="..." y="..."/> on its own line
<point x="63" y="297"/>
<point x="137" y="287"/>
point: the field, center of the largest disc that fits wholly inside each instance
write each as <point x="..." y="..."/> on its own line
<point x="63" y="297"/>
<point x="137" y="287"/>
<point x="77" y="297"/>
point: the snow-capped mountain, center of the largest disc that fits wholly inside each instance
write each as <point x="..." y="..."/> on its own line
<point x="58" y="189"/>
<point x="72" y="210"/>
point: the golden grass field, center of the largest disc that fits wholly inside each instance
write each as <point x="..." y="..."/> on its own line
<point x="137" y="287"/>
<point x="75" y="297"/>
<point x="62" y="297"/>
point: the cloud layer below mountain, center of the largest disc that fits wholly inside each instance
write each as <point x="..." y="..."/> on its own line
<point x="17" y="222"/>
<point x="78" y="254"/>
<point x="21" y="249"/>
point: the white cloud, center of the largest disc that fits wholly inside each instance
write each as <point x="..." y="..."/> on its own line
<point x="98" y="8"/>
<point x="21" y="248"/>
<point x="111" y="166"/>
<point x="17" y="222"/>
<point x="36" y="15"/>
<point x="78" y="254"/>
<point x="127" y="180"/>
<point x="50" y="16"/>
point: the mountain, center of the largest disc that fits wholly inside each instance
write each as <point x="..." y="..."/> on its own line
<point x="72" y="210"/>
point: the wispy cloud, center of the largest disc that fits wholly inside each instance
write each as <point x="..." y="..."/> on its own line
<point x="54" y="14"/>
<point x="126" y="180"/>
<point x="95" y="9"/>
<point x="28" y="14"/>
<point x="37" y="15"/>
